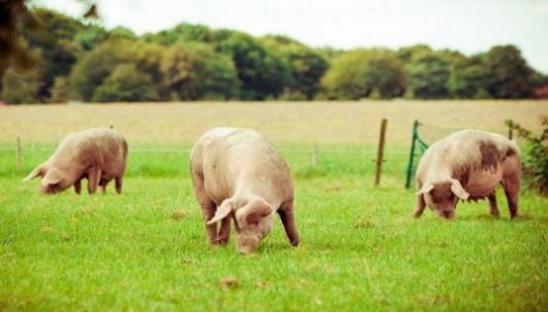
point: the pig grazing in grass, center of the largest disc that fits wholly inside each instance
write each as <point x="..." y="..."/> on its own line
<point x="96" y="154"/>
<point x="468" y="165"/>
<point x="238" y="174"/>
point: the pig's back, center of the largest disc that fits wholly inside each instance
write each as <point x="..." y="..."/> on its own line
<point x="98" y="146"/>
<point x="467" y="150"/>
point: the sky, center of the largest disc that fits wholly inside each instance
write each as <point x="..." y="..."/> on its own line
<point x="470" y="26"/>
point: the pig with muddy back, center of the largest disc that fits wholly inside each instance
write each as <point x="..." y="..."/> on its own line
<point x="98" y="155"/>
<point x="468" y="165"/>
<point x="238" y="174"/>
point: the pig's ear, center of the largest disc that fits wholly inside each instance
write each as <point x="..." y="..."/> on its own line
<point x="222" y="212"/>
<point x="458" y="190"/>
<point x="256" y="212"/>
<point x="52" y="177"/>
<point x="426" y="188"/>
<point x="37" y="172"/>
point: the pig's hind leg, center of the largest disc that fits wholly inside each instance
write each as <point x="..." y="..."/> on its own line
<point x="493" y="209"/>
<point x="288" y="221"/>
<point x="511" y="183"/>
<point x="118" y="184"/>
<point x="78" y="186"/>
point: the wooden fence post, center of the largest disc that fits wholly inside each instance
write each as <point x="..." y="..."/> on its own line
<point x="18" y="156"/>
<point x="380" y="152"/>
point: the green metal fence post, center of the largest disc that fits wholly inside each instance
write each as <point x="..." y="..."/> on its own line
<point x="411" y="155"/>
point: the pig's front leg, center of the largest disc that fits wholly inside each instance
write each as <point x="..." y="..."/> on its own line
<point x="94" y="176"/>
<point x="224" y="232"/>
<point x="78" y="186"/>
<point x="493" y="205"/>
<point x="208" y="210"/>
<point x="420" y="206"/>
<point x="207" y="205"/>
<point x="288" y="221"/>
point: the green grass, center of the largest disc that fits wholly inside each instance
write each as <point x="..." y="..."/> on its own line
<point x="361" y="249"/>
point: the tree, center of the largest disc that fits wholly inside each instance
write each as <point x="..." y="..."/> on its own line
<point x="125" y="84"/>
<point x="306" y="66"/>
<point x="147" y="57"/>
<point x="407" y="54"/>
<point x="122" y="33"/>
<point x="60" y="92"/>
<point x="54" y="26"/>
<point x="91" y="36"/>
<point x="362" y="73"/>
<point x="53" y="41"/>
<point x="19" y="88"/>
<point x="14" y="16"/>
<point x="182" y="33"/>
<point x="94" y="67"/>
<point x="195" y="72"/>
<point x="511" y="77"/>
<point x="428" y="73"/>
<point x="469" y="78"/>
<point x="262" y="73"/>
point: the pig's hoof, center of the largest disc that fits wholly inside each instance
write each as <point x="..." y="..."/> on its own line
<point x="221" y="242"/>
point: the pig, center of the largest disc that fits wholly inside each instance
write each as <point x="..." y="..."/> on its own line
<point x="468" y="165"/>
<point x="98" y="154"/>
<point x="237" y="173"/>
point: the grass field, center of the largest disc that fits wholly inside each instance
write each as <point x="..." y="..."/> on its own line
<point x="361" y="249"/>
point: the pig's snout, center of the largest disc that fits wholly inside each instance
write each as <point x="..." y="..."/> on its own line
<point x="447" y="214"/>
<point x="247" y="243"/>
<point x="46" y="189"/>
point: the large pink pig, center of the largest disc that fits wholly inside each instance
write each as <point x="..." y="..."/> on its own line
<point x="238" y="174"/>
<point x="468" y="165"/>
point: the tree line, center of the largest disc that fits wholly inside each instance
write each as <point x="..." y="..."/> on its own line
<point x="83" y="61"/>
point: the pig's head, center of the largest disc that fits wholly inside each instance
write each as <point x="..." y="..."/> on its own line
<point x="442" y="197"/>
<point x="53" y="179"/>
<point x="254" y="220"/>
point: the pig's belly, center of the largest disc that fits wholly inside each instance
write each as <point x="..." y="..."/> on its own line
<point x="483" y="183"/>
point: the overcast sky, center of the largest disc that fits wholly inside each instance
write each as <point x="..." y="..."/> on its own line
<point x="467" y="25"/>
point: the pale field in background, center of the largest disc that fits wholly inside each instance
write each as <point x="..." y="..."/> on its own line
<point x="173" y="124"/>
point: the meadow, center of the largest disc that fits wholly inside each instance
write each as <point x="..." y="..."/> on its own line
<point x="361" y="249"/>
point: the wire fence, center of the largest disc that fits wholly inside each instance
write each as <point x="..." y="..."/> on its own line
<point x="306" y="159"/>
<point x="311" y="160"/>
<point x="299" y="150"/>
